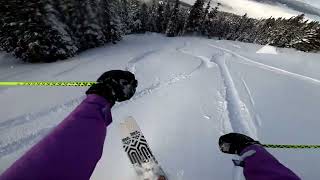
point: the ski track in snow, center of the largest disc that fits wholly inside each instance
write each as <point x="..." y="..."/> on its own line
<point x="23" y="142"/>
<point x="158" y="85"/>
<point x="267" y="67"/>
<point x="10" y="123"/>
<point x="3" y="89"/>
<point x="256" y="117"/>
<point x="248" y="91"/>
<point x="235" y="106"/>
<point x="5" y="78"/>
<point x="204" y="60"/>
<point x="132" y="63"/>
<point x="16" y="123"/>
<point x="209" y="63"/>
<point x="71" y="68"/>
<point x="81" y="63"/>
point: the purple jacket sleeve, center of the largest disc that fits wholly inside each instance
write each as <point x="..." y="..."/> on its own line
<point x="263" y="166"/>
<point x="71" y="150"/>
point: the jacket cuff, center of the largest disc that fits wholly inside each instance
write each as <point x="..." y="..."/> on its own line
<point x="241" y="161"/>
<point x="104" y="104"/>
<point x="255" y="147"/>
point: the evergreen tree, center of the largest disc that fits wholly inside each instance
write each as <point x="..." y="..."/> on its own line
<point x="172" y="28"/>
<point x="134" y="11"/>
<point x="167" y="16"/>
<point x="125" y="18"/>
<point x="264" y="30"/>
<point x="278" y="33"/>
<point x="195" y="17"/>
<point x="143" y="17"/>
<point x="308" y="38"/>
<point x="117" y="27"/>
<point x="298" y="27"/>
<point x="182" y="20"/>
<point x="62" y="42"/>
<point x="211" y="27"/>
<point x="311" y="41"/>
<point x="71" y="16"/>
<point x="204" y="19"/>
<point x="160" y="17"/>
<point x="90" y="33"/>
<point x="26" y="32"/>
<point x="50" y="30"/>
<point x="244" y="30"/>
<point x="152" y="20"/>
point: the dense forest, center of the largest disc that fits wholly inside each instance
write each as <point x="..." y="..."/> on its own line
<point x="50" y="30"/>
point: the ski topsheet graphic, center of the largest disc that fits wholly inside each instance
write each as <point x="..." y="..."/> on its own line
<point x="139" y="152"/>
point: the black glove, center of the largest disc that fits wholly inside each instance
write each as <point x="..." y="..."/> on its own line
<point x="234" y="143"/>
<point x="115" y="86"/>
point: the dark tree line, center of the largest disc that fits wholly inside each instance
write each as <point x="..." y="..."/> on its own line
<point x="48" y="30"/>
<point x="295" y="32"/>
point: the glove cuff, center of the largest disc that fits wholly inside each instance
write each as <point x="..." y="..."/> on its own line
<point x="247" y="145"/>
<point x="102" y="91"/>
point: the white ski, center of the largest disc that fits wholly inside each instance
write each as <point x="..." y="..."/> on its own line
<point x="139" y="152"/>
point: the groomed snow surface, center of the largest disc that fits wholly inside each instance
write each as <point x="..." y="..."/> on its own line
<point x="191" y="91"/>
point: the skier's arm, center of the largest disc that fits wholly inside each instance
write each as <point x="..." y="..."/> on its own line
<point x="262" y="165"/>
<point x="257" y="162"/>
<point x="73" y="148"/>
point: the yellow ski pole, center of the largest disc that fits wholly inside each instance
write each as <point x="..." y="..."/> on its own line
<point x="48" y="83"/>
<point x="291" y="146"/>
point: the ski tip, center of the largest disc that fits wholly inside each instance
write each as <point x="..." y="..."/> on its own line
<point x="127" y="126"/>
<point x="131" y="124"/>
<point x="129" y="118"/>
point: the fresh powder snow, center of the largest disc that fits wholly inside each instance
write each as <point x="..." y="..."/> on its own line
<point x="191" y="91"/>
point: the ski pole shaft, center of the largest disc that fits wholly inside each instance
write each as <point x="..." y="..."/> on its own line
<point x="290" y="146"/>
<point x="48" y="83"/>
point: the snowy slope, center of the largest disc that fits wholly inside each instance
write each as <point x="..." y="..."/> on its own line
<point x="191" y="91"/>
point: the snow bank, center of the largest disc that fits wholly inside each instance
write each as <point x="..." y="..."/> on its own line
<point x="267" y="49"/>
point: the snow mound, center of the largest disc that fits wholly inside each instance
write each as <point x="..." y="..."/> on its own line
<point x="267" y="49"/>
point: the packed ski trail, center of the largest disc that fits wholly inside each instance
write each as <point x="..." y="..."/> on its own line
<point x="191" y="90"/>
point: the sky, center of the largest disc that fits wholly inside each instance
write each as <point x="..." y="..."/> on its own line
<point x="260" y="10"/>
<point x="315" y="3"/>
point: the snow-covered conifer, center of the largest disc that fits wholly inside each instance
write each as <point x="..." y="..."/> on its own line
<point x="173" y="22"/>
<point x="195" y="17"/>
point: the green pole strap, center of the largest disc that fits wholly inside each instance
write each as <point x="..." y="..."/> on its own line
<point x="282" y="146"/>
<point x="48" y="83"/>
